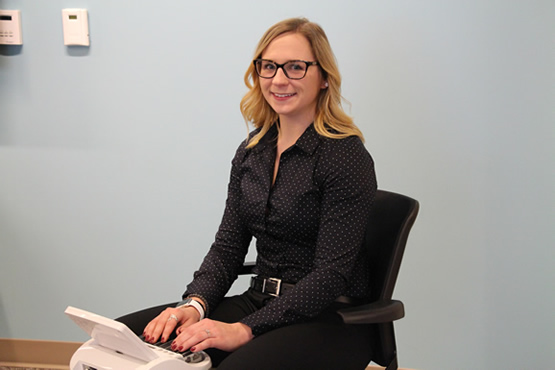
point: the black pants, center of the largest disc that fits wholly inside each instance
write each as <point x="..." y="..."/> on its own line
<point x="322" y="343"/>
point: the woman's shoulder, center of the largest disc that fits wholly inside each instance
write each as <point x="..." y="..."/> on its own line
<point x="349" y="144"/>
<point x="243" y="149"/>
<point x="344" y="154"/>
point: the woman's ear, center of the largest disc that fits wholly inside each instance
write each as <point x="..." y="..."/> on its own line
<point x="325" y="85"/>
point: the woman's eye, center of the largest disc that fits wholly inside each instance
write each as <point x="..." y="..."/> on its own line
<point x="295" y="66"/>
<point x="269" y="66"/>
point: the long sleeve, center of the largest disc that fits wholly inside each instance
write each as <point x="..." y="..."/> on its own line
<point x="221" y="265"/>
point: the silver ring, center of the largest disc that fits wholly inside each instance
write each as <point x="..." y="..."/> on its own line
<point x="173" y="317"/>
<point x="207" y="332"/>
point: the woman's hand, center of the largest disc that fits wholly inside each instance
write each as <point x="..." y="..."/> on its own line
<point x="171" y="318"/>
<point x="211" y="334"/>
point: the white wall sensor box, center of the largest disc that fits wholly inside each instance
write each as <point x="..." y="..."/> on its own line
<point x="76" y="27"/>
<point x="10" y="27"/>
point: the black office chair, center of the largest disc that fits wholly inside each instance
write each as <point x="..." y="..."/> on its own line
<point x="391" y="219"/>
<point x="389" y="224"/>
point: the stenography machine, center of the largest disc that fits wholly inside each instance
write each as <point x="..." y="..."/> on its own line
<point x="114" y="346"/>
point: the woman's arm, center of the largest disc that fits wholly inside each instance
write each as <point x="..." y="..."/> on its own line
<point x="225" y="258"/>
<point x="218" y="270"/>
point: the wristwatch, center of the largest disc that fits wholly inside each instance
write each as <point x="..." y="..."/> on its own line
<point x="193" y="303"/>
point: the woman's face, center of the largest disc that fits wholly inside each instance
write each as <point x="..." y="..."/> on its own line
<point x="293" y="100"/>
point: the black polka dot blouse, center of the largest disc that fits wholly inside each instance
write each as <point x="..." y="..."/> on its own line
<point x="309" y="226"/>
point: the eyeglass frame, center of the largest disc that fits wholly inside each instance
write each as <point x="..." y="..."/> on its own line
<point x="278" y="66"/>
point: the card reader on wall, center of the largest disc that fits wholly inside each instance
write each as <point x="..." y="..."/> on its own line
<point x="10" y="27"/>
<point x="76" y="27"/>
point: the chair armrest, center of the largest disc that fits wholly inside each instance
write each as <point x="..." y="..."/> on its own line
<point x="373" y="313"/>
<point x="247" y="268"/>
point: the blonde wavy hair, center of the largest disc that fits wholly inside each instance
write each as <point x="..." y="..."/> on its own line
<point x="330" y="120"/>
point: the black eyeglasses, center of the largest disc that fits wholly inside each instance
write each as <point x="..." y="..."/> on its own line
<point x="293" y="69"/>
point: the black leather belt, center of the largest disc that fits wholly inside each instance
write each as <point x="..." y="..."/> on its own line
<point x="271" y="286"/>
<point x="276" y="287"/>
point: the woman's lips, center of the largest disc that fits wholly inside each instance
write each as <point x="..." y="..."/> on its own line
<point x="279" y="96"/>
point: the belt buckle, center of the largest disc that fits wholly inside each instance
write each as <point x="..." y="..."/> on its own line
<point x="271" y="286"/>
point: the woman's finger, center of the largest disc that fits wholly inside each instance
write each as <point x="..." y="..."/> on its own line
<point x="212" y="334"/>
<point x="162" y="326"/>
<point x="193" y="335"/>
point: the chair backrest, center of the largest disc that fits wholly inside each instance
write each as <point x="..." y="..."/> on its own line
<point x="389" y="224"/>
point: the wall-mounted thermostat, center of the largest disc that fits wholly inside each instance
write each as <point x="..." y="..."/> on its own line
<point x="76" y="27"/>
<point x="10" y="27"/>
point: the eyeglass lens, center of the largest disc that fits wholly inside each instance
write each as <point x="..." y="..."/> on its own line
<point x="292" y="69"/>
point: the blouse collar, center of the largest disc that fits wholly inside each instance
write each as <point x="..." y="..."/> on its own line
<point x="308" y="142"/>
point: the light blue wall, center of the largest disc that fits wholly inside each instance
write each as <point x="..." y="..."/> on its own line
<point x="114" y="159"/>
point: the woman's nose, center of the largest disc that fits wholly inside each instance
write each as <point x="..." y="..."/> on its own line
<point x="280" y="78"/>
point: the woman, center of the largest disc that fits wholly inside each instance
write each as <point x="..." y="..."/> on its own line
<point x="302" y="185"/>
